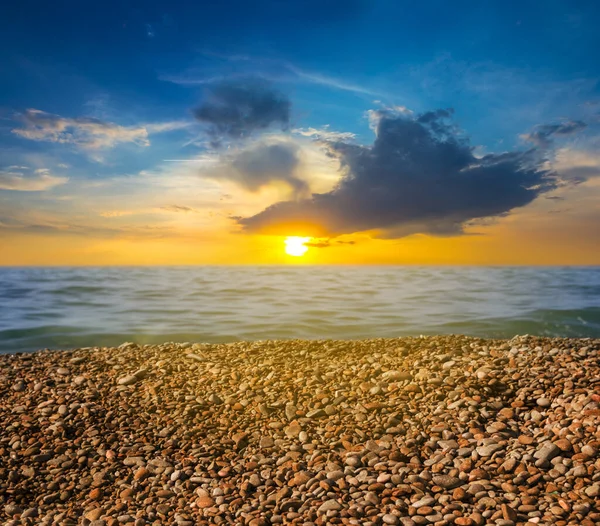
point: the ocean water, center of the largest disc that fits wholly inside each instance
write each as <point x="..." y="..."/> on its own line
<point x="51" y="307"/>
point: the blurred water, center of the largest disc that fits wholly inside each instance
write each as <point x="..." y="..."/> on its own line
<point x="50" y="307"/>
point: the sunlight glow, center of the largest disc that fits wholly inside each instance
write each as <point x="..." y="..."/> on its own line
<point x="295" y="246"/>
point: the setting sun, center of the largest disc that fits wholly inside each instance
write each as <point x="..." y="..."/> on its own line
<point x="295" y="246"/>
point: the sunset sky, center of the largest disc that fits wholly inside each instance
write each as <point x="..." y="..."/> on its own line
<point x="386" y="132"/>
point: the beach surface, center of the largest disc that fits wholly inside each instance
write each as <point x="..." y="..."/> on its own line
<point x="428" y="430"/>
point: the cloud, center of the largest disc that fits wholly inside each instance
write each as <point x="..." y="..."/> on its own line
<point x="275" y="70"/>
<point x="117" y="213"/>
<point x="419" y="176"/>
<point x="543" y="134"/>
<point x="86" y="132"/>
<point x="326" y="243"/>
<point x="60" y="227"/>
<point x="237" y="109"/>
<point x="36" y="181"/>
<point x="318" y="244"/>
<point x="167" y="208"/>
<point x="332" y="82"/>
<point x="262" y="164"/>
<point x="177" y="209"/>
<point x="576" y="166"/>
<point x="325" y="133"/>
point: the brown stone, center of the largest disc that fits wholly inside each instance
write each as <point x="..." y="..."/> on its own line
<point x="508" y="513"/>
<point x="94" y="514"/>
<point x="564" y="445"/>
<point x="126" y="494"/>
<point x="205" y="502"/>
<point x="141" y="473"/>
<point x="459" y="494"/>
<point x="525" y="440"/>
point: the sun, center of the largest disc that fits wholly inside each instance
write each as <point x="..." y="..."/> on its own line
<point x="295" y="246"/>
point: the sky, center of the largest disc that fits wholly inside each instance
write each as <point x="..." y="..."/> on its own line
<point x="385" y="132"/>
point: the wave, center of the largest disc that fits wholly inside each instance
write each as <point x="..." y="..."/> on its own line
<point x="67" y="308"/>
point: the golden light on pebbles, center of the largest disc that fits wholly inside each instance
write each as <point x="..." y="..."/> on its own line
<point x="413" y="443"/>
<point x="296" y="246"/>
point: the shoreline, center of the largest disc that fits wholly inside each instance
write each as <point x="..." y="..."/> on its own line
<point x="435" y="430"/>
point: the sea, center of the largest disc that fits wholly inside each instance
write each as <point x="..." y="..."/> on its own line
<point x="69" y="307"/>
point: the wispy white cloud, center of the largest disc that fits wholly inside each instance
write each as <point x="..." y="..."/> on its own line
<point x="576" y="165"/>
<point x="193" y="80"/>
<point x="273" y="69"/>
<point x="65" y="226"/>
<point x="514" y="97"/>
<point x="36" y="181"/>
<point x="86" y="132"/>
<point x="543" y="135"/>
<point x="116" y="213"/>
<point x="325" y="133"/>
<point x="178" y="209"/>
<point x="332" y="82"/>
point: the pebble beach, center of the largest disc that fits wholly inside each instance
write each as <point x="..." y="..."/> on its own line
<point x="445" y="430"/>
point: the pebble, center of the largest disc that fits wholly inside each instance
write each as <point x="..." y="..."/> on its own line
<point x="415" y="431"/>
<point x="590" y="451"/>
<point x="128" y="380"/>
<point x="293" y="430"/>
<point x="141" y="474"/>
<point x="215" y="399"/>
<point x="543" y="402"/>
<point x="329" y="505"/>
<point x="446" y="481"/>
<point x="425" y="501"/>
<point x="78" y="360"/>
<point x="30" y="512"/>
<point x="546" y="452"/>
<point x="94" y="514"/>
<point x="290" y="411"/>
<point x="13" y="509"/>
<point x="396" y="376"/>
<point x="205" y="502"/>
<point x="593" y="491"/>
<point x="489" y="450"/>
<point x="266" y="442"/>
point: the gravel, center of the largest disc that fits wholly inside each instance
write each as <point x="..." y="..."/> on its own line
<point x="432" y="430"/>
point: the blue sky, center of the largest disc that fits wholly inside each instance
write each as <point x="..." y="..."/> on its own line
<point x="122" y="80"/>
<point x="74" y="57"/>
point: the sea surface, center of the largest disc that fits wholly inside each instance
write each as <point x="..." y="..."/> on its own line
<point x="59" y="307"/>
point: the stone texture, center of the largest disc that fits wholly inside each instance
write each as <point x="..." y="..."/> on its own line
<point x="414" y="431"/>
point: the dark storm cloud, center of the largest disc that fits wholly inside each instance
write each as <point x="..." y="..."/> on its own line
<point x="419" y="176"/>
<point x="543" y="134"/>
<point x="263" y="164"/>
<point x="236" y="109"/>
